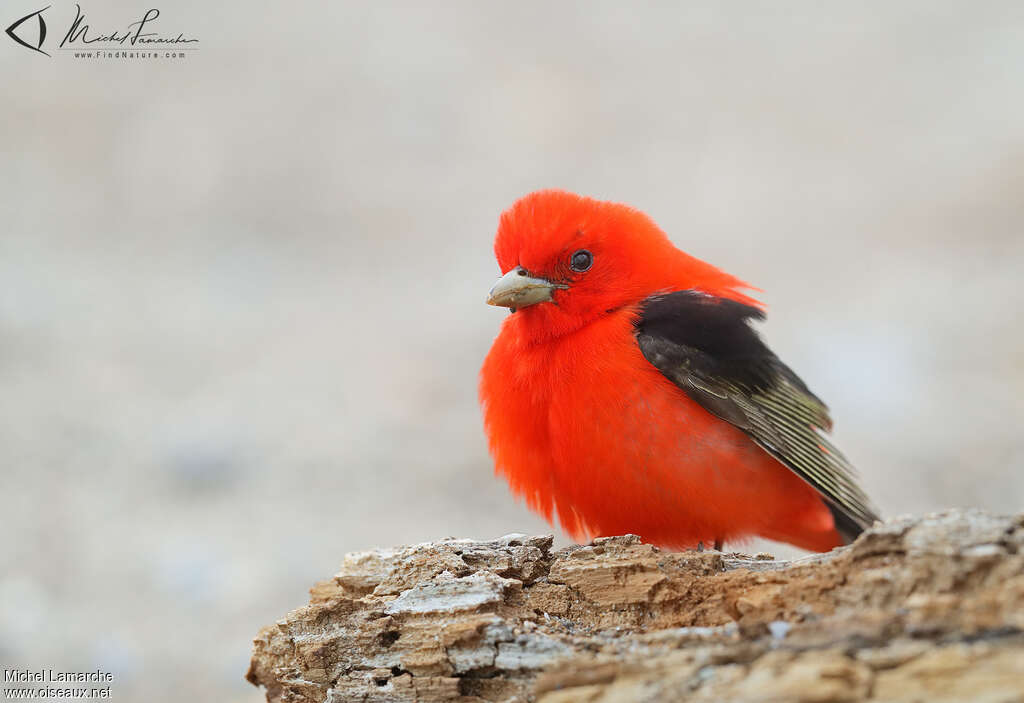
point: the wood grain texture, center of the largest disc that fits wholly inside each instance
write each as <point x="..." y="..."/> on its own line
<point x="927" y="608"/>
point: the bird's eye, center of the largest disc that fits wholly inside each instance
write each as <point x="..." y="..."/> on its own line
<point x="581" y="261"/>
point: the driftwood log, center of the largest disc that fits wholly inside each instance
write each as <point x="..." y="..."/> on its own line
<point x="917" y="609"/>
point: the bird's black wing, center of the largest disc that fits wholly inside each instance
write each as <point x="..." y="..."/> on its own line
<point x="705" y="345"/>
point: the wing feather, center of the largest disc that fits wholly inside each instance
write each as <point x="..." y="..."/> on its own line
<point x="705" y="345"/>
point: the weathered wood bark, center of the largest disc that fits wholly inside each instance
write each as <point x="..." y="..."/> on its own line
<point x="924" y="609"/>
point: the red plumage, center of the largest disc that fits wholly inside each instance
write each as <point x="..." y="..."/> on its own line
<point x="585" y="428"/>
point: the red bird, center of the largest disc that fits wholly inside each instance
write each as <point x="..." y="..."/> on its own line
<point x="628" y="393"/>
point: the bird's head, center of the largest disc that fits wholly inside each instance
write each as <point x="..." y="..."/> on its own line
<point x="567" y="260"/>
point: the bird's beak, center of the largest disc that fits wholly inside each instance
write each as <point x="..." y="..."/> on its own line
<point x="518" y="289"/>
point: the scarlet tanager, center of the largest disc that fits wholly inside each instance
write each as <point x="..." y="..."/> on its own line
<point x="627" y="392"/>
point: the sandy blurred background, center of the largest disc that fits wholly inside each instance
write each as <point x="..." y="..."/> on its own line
<point x="241" y="296"/>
